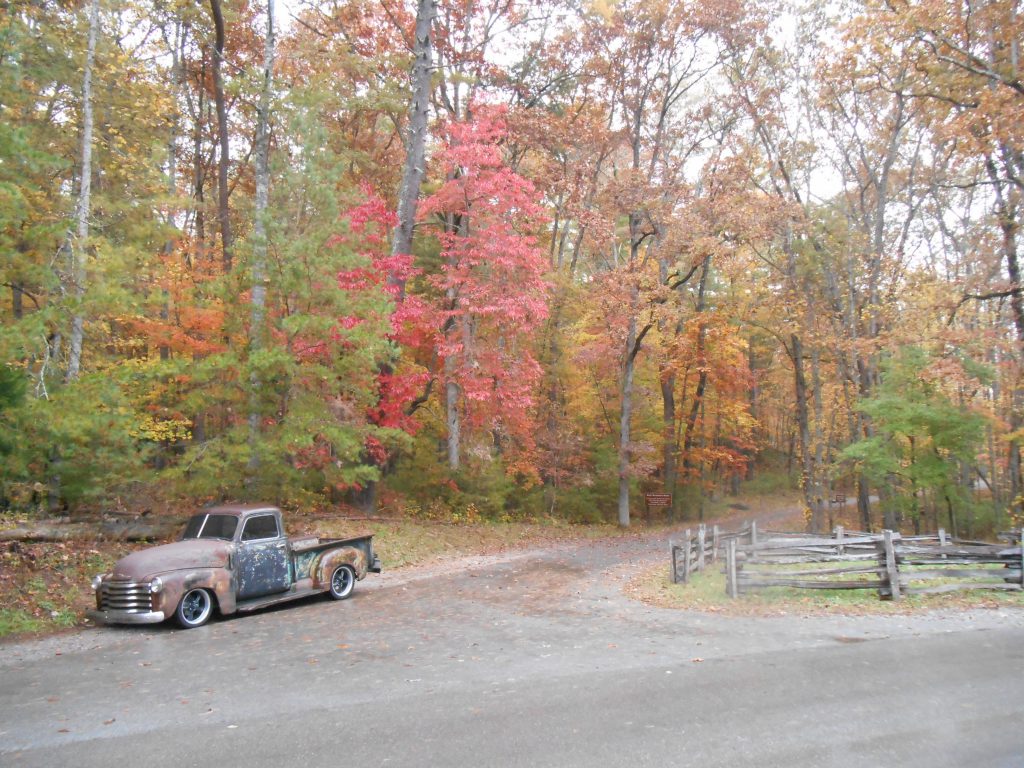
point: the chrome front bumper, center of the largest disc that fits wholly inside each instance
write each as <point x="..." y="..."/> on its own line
<point x="126" y="617"/>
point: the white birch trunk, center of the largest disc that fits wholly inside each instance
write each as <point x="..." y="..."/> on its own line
<point x="451" y="402"/>
<point x="77" y="249"/>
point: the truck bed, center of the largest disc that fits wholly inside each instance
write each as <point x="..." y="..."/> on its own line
<point x="305" y="549"/>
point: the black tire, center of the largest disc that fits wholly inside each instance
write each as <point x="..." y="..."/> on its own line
<point x="343" y="581"/>
<point x="195" y="609"/>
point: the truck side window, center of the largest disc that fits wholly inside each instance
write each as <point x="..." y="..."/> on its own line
<point x="260" y="527"/>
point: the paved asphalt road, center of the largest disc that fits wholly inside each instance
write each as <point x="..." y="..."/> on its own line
<point x="537" y="659"/>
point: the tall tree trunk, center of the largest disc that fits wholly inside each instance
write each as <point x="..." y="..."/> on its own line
<point x="198" y="170"/>
<point x="816" y="523"/>
<point x="818" y="470"/>
<point x="626" y="414"/>
<point x="78" y="247"/>
<point x="415" y="149"/>
<point x="412" y="173"/>
<point x="632" y="349"/>
<point x="689" y="437"/>
<point x="199" y="201"/>
<point x="668" y="422"/>
<point x="454" y="326"/>
<point x="451" y="402"/>
<point x="667" y="378"/>
<point x="223" y="212"/>
<point x="259" y="232"/>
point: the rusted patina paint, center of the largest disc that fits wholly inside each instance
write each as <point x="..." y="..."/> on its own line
<point x="242" y="574"/>
<point x="179" y="555"/>
<point x="345" y="556"/>
<point x="262" y="568"/>
<point x="219" y="581"/>
<point x="304" y="563"/>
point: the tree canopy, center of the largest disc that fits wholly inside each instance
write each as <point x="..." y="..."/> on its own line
<point x="529" y="258"/>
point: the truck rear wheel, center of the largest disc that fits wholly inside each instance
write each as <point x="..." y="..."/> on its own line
<point x="195" y="609"/>
<point x="343" y="581"/>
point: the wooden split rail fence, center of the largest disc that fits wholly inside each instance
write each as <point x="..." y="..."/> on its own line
<point x="889" y="563"/>
<point x="702" y="546"/>
<point x="697" y="550"/>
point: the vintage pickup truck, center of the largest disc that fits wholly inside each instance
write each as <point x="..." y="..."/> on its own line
<point x="229" y="559"/>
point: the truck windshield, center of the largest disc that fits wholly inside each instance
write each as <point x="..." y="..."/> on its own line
<point x="204" y="526"/>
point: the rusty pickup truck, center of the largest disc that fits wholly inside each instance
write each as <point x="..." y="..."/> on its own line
<point x="229" y="559"/>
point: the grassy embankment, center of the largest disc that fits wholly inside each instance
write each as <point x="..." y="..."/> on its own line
<point x="707" y="592"/>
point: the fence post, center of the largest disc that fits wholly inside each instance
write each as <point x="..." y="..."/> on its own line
<point x="730" y="569"/>
<point x="686" y="559"/>
<point x="890" y="565"/>
<point x="715" y="542"/>
<point x="753" y="532"/>
<point x="1020" y="544"/>
<point x="701" y="541"/>
<point x="840" y="549"/>
<point x="672" y="552"/>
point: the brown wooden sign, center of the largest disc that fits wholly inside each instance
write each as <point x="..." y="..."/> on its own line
<point x="658" y="499"/>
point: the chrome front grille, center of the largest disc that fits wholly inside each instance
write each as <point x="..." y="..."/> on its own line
<point x="126" y="596"/>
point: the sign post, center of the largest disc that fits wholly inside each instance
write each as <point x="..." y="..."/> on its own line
<point x="653" y="500"/>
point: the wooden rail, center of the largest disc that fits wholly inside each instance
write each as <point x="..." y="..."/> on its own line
<point x="887" y="562"/>
<point x="694" y="552"/>
<point x="958" y="566"/>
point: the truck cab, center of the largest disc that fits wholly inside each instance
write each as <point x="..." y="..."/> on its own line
<point x="260" y="557"/>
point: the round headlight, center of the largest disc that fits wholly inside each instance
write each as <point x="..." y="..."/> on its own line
<point x="96" y="582"/>
<point x="156" y="585"/>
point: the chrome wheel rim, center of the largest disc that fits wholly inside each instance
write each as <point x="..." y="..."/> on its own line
<point x="195" y="606"/>
<point x="341" y="582"/>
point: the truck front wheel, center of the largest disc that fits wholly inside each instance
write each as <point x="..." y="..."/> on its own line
<point x="343" y="581"/>
<point x="195" y="609"/>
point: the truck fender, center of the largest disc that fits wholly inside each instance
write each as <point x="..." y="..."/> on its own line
<point x="219" y="581"/>
<point x="341" y="556"/>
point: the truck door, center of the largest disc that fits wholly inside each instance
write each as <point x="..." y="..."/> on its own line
<point x="262" y="558"/>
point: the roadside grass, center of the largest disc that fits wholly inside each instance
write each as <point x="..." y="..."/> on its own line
<point x="17" y="621"/>
<point x="45" y="586"/>
<point x="706" y="592"/>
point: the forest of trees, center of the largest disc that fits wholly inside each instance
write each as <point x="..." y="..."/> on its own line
<point x="513" y="257"/>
